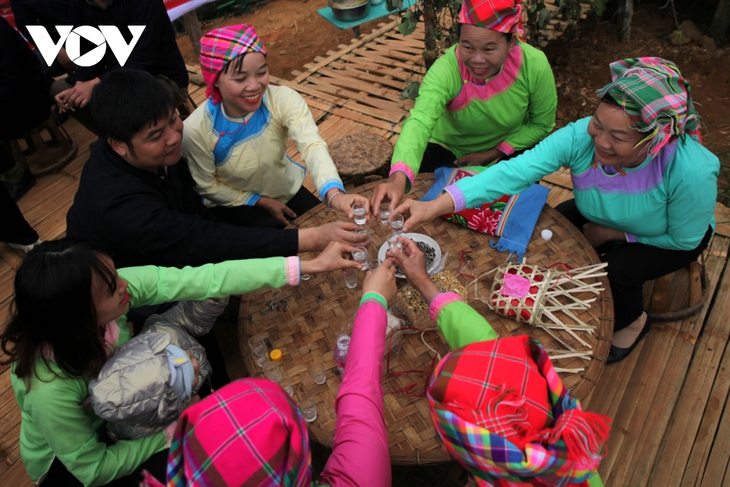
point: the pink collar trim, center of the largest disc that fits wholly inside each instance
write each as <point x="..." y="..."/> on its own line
<point x="471" y="90"/>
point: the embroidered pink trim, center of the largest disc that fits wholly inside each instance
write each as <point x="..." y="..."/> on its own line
<point x="482" y="92"/>
<point x="293" y="271"/>
<point x="403" y="167"/>
<point x="506" y="148"/>
<point x="440" y="302"/>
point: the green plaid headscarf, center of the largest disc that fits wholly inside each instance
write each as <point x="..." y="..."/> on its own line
<point x="656" y="97"/>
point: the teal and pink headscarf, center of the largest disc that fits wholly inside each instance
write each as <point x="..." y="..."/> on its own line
<point x="656" y="97"/>
<point x="503" y="413"/>
<point x="501" y="15"/>
<point x="250" y="432"/>
<point x="220" y="46"/>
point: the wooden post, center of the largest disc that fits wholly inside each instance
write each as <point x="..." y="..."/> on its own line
<point x="192" y="29"/>
<point x="720" y="22"/>
<point x="429" y="25"/>
<point x="626" y="14"/>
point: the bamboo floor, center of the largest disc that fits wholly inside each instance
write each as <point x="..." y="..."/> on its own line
<point x="668" y="400"/>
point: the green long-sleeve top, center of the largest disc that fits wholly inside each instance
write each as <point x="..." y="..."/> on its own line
<point x="462" y="325"/>
<point x="514" y="110"/>
<point x="668" y="201"/>
<point x="57" y="418"/>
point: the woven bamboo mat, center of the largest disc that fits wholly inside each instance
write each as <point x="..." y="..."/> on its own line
<point x="305" y="328"/>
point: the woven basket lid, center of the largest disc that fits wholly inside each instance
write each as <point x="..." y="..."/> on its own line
<point x="361" y="154"/>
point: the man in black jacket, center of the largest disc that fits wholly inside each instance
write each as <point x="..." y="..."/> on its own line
<point x="137" y="203"/>
<point x="136" y="199"/>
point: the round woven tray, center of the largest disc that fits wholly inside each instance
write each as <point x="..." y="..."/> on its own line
<point x="317" y="309"/>
<point x="360" y="155"/>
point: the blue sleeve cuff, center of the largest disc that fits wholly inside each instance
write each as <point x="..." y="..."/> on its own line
<point x="252" y="200"/>
<point x="330" y="184"/>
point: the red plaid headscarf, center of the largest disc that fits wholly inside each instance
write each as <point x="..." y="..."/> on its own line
<point x="500" y="15"/>
<point x="250" y="432"/>
<point x="503" y="413"/>
<point x="219" y="47"/>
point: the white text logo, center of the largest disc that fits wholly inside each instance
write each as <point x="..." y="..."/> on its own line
<point x="105" y="34"/>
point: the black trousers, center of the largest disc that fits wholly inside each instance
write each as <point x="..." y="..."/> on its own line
<point x="257" y="217"/>
<point x="59" y="476"/>
<point x="632" y="264"/>
<point x="13" y="226"/>
<point x="437" y="156"/>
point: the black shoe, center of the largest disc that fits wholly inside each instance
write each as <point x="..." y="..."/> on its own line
<point x="618" y="354"/>
<point x="18" y="190"/>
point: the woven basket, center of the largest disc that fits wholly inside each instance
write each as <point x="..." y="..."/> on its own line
<point x="360" y="155"/>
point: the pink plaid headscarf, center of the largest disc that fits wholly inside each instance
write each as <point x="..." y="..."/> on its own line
<point x="250" y="432"/>
<point x="219" y="47"/>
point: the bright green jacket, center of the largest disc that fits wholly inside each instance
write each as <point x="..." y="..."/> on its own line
<point x="512" y="111"/>
<point x="57" y="418"/>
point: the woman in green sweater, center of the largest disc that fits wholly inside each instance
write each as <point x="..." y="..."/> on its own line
<point x="69" y="315"/>
<point x="488" y="98"/>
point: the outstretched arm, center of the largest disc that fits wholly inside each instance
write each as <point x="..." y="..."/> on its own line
<point x="360" y="452"/>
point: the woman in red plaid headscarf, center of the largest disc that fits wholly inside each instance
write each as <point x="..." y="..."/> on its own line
<point x="644" y="186"/>
<point x="498" y="405"/>
<point x="235" y="143"/>
<point x="486" y="99"/>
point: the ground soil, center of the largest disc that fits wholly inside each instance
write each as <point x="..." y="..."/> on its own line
<point x="295" y="34"/>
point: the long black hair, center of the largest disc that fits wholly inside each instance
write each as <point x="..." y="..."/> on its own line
<point x="53" y="314"/>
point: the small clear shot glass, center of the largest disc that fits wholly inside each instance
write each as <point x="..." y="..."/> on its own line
<point x="319" y="375"/>
<point x="309" y="410"/>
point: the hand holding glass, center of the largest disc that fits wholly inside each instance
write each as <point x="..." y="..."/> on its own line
<point x="396" y="224"/>
<point x="361" y="213"/>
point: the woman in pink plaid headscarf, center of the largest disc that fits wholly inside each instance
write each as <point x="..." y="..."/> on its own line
<point x="252" y="433"/>
<point x="235" y="143"/>
<point x="486" y="99"/>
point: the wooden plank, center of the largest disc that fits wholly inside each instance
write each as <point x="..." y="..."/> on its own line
<point x="380" y="57"/>
<point x="560" y="178"/>
<point x="365" y="98"/>
<point x="364" y="40"/>
<point x="387" y="81"/>
<point x="310" y="90"/>
<point x="359" y="117"/>
<point x="717" y="414"/>
<point x="385" y="51"/>
<point x="361" y="64"/>
<point x="344" y="86"/>
<point x="682" y="431"/>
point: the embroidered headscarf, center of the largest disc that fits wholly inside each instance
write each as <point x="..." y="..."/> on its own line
<point x="501" y="15"/>
<point x="503" y="413"/>
<point x="220" y="46"/>
<point x="656" y="97"/>
<point x="250" y="432"/>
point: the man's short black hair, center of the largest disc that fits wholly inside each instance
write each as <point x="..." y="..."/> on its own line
<point x="126" y="101"/>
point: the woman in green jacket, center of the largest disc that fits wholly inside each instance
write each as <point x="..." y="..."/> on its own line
<point x="68" y="317"/>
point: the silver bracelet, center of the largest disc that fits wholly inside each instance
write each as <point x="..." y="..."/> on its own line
<point x="329" y="203"/>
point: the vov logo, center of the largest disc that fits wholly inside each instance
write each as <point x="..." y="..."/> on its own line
<point x="101" y="37"/>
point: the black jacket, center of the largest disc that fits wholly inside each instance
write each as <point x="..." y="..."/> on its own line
<point x="156" y="51"/>
<point x="139" y="218"/>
